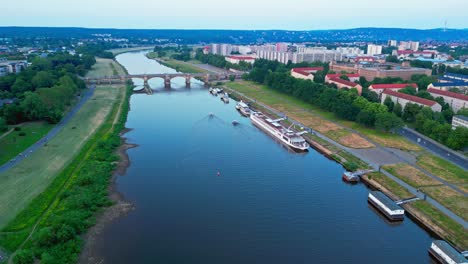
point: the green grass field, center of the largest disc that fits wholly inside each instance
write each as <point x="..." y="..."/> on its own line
<point x="444" y="169"/>
<point x="22" y="183"/>
<point x="105" y="67"/>
<point x="14" y="144"/>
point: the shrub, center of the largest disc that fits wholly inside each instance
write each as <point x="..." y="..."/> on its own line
<point x="17" y="128"/>
<point x="22" y="134"/>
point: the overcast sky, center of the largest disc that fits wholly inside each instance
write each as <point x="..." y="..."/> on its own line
<point x="239" y="14"/>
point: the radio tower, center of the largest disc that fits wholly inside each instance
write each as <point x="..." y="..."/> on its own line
<point x="445" y="26"/>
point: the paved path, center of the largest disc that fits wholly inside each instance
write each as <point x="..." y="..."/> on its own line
<point x="52" y="133"/>
<point x="366" y="159"/>
<point x="435" y="147"/>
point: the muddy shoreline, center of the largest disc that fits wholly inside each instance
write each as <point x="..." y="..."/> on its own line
<point x="120" y="207"/>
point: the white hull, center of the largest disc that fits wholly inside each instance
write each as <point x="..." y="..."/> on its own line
<point x="276" y="134"/>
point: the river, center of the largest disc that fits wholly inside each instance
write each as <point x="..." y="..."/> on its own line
<point x="268" y="205"/>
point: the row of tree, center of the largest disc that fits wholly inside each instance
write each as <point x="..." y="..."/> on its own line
<point x="220" y="61"/>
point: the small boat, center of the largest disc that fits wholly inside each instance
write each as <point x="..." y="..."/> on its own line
<point x="235" y="122"/>
<point x="350" y="177"/>
<point x="243" y="108"/>
<point x="214" y="91"/>
<point x="225" y="98"/>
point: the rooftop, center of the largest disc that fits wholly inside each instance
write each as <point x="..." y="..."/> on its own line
<point x="345" y="82"/>
<point x="307" y="71"/>
<point x="450" y="84"/>
<point x="412" y="98"/>
<point x="386" y="201"/>
<point x="448" y="94"/>
<point x="450" y="251"/>
<point x="350" y="75"/>
<point x="393" y="86"/>
<point x="241" y="57"/>
<point x="462" y="117"/>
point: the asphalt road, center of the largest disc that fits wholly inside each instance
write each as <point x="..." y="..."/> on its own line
<point x="52" y="133"/>
<point x="435" y="147"/>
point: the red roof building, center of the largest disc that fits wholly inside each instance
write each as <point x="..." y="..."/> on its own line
<point x="340" y="83"/>
<point x="305" y="73"/>
<point x="404" y="99"/>
<point x="352" y="76"/>
<point x="379" y="88"/>
<point x="455" y="100"/>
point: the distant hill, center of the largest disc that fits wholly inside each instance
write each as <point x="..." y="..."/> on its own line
<point x="243" y="36"/>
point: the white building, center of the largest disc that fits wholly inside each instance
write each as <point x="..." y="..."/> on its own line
<point x="409" y="45"/>
<point x="404" y="99"/>
<point x="238" y="59"/>
<point x="350" y="51"/>
<point x="455" y="100"/>
<point x="374" y="49"/>
<point x="392" y="43"/>
<point x="305" y="73"/>
<point x="459" y="121"/>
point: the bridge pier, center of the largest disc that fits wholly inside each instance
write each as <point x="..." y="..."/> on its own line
<point x="167" y="82"/>
<point x="187" y="81"/>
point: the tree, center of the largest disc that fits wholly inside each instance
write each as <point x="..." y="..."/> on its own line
<point x="33" y="107"/>
<point x="458" y="138"/>
<point x="410" y="112"/>
<point x="43" y="79"/>
<point x="20" y="86"/>
<point x="392" y="58"/>
<point x="398" y="109"/>
<point x="389" y="103"/>
<point x="366" y="118"/>
<point x="3" y="125"/>
<point x="232" y="78"/>
<point x="388" y="122"/>
<point x="463" y="112"/>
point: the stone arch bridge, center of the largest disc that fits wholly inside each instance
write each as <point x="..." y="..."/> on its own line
<point x="167" y="77"/>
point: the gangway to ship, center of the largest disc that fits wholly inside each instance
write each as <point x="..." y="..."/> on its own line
<point x="359" y="173"/>
<point x="407" y="200"/>
<point x="354" y="176"/>
<point x="465" y="254"/>
<point x="278" y="120"/>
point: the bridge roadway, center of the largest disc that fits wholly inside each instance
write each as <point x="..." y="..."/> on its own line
<point x="205" y="77"/>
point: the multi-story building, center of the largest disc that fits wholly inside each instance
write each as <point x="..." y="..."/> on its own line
<point x="374" y="49"/>
<point x="282" y="47"/>
<point x="405" y="73"/>
<point x="353" y="77"/>
<point x="392" y="43"/>
<point x="459" y="121"/>
<point x="305" y="73"/>
<point x="215" y="49"/>
<point x="408" y="45"/>
<point x="341" y="84"/>
<point x="350" y="51"/>
<point x="404" y="99"/>
<point x="379" y="88"/>
<point x="12" y="66"/>
<point x="225" y="49"/>
<point x="238" y="59"/>
<point x="455" y="100"/>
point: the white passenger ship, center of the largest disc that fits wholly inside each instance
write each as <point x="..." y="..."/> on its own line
<point x="283" y="134"/>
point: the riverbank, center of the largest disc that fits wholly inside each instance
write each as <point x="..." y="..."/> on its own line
<point x="180" y="66"/>
<point x="70" y="153"/>
<point x="427" y="216"/>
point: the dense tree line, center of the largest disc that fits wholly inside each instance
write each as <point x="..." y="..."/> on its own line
<point x="97" y="49"/>
<point x="45" y="89"/>
<point x="346" y="104"/>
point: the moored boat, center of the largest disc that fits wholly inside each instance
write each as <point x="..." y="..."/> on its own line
<point x="444" y="253"/>
<point x="286" y="136"/>
<point x="225" y="98"/>
<point x="243" y="108"/>
<point x="350" y="177"/>
<point x="386" y="206"/>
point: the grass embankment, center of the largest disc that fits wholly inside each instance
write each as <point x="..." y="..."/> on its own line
<point x="15" y="142"/>
<point x="59" y="215"/>
<point x="444" y="169"/>
<point x="428" y="215"/>
<point x="180" y="66"/>
<point x="453" y="200"/>
<point x="325" y="122"/>
<point x="105" y="67"/>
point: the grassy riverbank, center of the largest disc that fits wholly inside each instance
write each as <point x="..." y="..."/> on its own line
<point x="65" y="181"/>
<point x="16" y="141"/>
<point x="180" y="66"/>
<point x="422" y="211"/>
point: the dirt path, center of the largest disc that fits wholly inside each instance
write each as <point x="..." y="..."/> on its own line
<point x="7" y="133"/>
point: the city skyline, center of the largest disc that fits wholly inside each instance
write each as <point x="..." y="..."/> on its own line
<point x="244" y="14"/>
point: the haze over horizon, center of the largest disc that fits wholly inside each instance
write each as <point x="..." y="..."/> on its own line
<point x="244" y="14"/>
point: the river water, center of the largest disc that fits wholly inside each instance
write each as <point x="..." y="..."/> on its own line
<point x="268" y="205"/>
